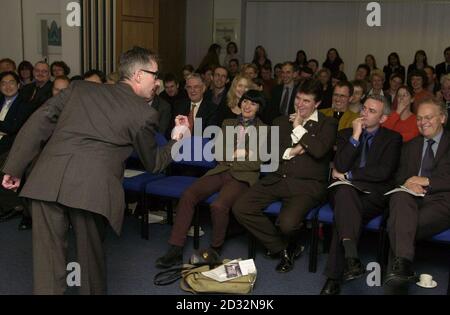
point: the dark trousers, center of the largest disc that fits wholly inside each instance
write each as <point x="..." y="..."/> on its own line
<point x="352" y="211"/>
<point x="414" y="218"/>
<point x="229" y="190"/>
<point x="50" y="242"/>
<point x="248" y="211"/>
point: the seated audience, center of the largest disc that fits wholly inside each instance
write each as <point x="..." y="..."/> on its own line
<point x="25" y="72"/>
<point x="230" y="178"/>
<point x="60" y="84"/>
<point x="418" y="80"/>
<point x="367" y="156"/>
<point x="443" y="67"/>
<point x="59" y="69"/>
<point x="393" y="66"/>
<point x="424" y="169"/>
<point x="300" y="181"/>
<point x="95" y="76"/>
<point x="7" y="65"/>
<point x="359" y="94"/>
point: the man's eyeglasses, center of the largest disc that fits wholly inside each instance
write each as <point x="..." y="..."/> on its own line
<point x="156" y="74"/>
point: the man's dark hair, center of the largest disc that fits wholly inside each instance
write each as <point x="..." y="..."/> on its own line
<point x="346" y="84"/>
<point x="134" y="59"/>
<point x="61" y="64"/>
<point x="446" y="49"/>
<point x="11" y="73"/>
<point x="63" y="78"/>
<point x="339" y="75"/>
<point x="10" y="61"/>
<point x="170" y="77"/>
<point x="93" y="72"/>
<point x="365" y="67"/>
<point x="311" y="87"/>
<point x="234" y="60"/>
<point x="307" y="70"/>
<point x="220" y="67"/>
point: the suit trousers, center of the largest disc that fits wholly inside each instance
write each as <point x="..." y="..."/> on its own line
<point x="352" y="211"/>
<point x="229" y="190"/>
<point x="414" y="218"/>
<point x="50" y="243"/>
<point x="248" y="211"/>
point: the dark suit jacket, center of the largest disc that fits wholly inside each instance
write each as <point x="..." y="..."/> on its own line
<point x="244" y="171"/>
<point x="411" y="161"/>
<point x="35" y="96"/>
<point x="208" y="112"/>
<point x="272" y="111"/>
<point x="91" y="130"/>
<point x="15" y="118"/>
<point x="381" y="164"/>
<point x="441" y="69"/>
<point x="165" y="113"/>
<point x="307" y="173"/>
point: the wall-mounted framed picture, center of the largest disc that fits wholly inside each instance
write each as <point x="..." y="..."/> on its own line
<point x="54" y="33"/>
<point x="225" y="31"/>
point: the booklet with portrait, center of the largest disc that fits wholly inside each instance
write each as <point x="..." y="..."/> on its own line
<point x="404" y="189"/>
<point x="346" y="182"/>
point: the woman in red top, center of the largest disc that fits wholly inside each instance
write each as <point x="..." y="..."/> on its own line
<point x="403" y="120"/>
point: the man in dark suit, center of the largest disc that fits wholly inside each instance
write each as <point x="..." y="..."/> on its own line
<point x="299" y="182"/>
<point x="38" y="92"/>
<point x="283" y="96"/>
<point x="12" y="116"/>
<point x="424" y="169"/>
<point x="367" y="156"/>
<point x="90" y="130"/>
<point x="443" y="67"/>
<point x="197" y="107"/>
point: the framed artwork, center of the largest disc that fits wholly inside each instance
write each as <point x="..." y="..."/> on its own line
<point x="225" y="31"/>
<point x="54" y="33"/>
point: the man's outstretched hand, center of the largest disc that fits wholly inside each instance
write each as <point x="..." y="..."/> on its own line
<point x="10" y="182"/>
<point x="182" y="128"/>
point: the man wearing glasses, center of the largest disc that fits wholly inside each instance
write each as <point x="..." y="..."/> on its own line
<point x="90" y="131"/>
<point x="424" y="169"/>
<point x="342" y="94"/>
<point x="38" y="92"/>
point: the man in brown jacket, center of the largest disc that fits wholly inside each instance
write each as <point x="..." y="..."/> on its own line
<point x="300" y="182"/>
<point x="90" y="130"/>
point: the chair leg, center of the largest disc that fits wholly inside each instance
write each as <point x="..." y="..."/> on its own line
<point x="170" y="212"/>
<point x="314" y="243"/>
<point x="448" y="288"/>
<point x="144" y="219"/>
<point x="196" y="228"/>
<point x="251" y="246"/>
<point x="381" y="251"/>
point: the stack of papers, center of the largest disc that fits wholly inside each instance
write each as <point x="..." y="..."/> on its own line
<point x="232" y="270"/>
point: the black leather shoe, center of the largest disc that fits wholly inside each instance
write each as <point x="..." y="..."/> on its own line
<point x="353" y="269"/>
<point x="331" y="287"/>
<point x="401" y="273"/>
<point x="25" y="223"/>
<point x="172" y="258"/>
<point x="9" y="214"/>
<point x="288" y="257"/>
<point x="286" y="263"/>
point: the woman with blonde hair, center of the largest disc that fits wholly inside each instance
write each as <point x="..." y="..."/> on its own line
<point x="239" y="86"/>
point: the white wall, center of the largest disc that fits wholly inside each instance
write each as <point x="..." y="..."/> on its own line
<point x="230" y="10"/>
<point x="200" y="15"/>
<point x="11" y="29"/>
<point x="199" y="23"/>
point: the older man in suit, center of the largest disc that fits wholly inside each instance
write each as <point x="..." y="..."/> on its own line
<point x="424" y="169"/>
<point x="197" y="106"/>
<point x="367" y="156"/>
<point x="90" y="130"/>
<point x="299" y="182"/>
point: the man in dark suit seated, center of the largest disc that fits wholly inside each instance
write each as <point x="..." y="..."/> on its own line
<point x="300" y="181"/>
<point x="197" y="107"/>
<point x="443" y="67"/>
<point x="38" y="92"/>
<point x="172" y="92"/>
<point x="424" y="169"/>
<point x="283" y="96"/>
<point x="12" y="116"/>
<point x="367" y="156"/>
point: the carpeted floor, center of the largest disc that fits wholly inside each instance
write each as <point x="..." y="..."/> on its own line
<point x="130" y="261"/>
